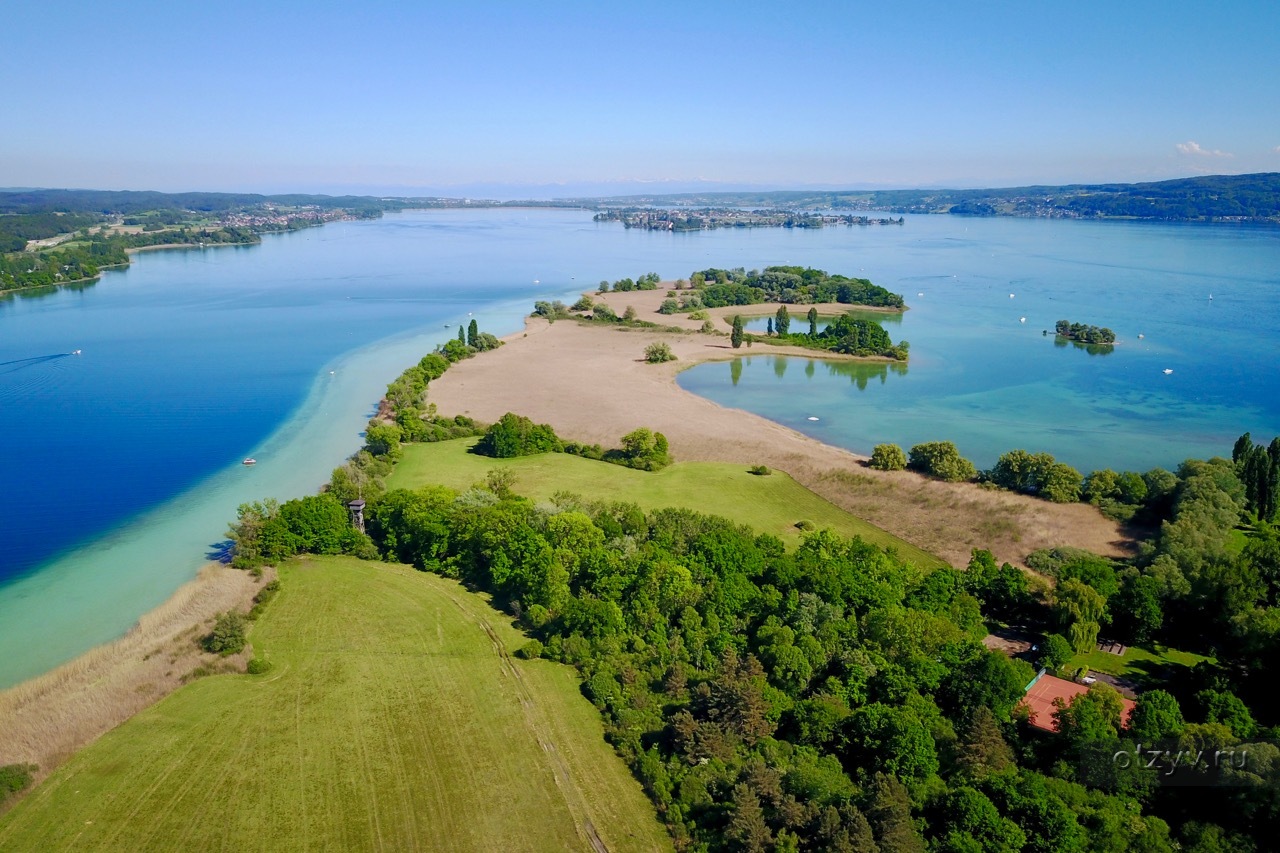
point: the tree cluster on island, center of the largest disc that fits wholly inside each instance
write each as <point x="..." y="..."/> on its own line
<point x="846" y="334"/>
<point x="716" y="288"/>
<point x="1083" y="333"/>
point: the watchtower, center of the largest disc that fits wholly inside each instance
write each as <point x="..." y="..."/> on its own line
<point x="357" y="514"/>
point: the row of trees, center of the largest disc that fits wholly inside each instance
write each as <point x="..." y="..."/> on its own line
<point x="648" y="281"/>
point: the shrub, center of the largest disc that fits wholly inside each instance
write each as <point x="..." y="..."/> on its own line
<point x="604" y="314"/>
<point x="15" y="777"/>
<point x="669" y="306"/>
<point x="514" y="435"/>
<point x="699" y="315"/>
<point x="888" y="457"/>
<point x="530" y="650"/>
<point x="583" y="304"/>
<point x="941" y="459"/>
<point x="644" y="449"/>
<point x="708" y="327"/>
<point x="433" y="365"/>
<point x="550" y="311"/>
<point x="258" y="666"/>
<point x="456" y="350"/>
<point x="805" y="525"/>
<point x="759" y="470"/>
<point x="630" y="314"/>
<point x="658" y="352"/>
<point x="228" y="634"/>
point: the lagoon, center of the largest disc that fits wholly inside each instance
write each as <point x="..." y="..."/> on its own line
<point x="122" y="465"/>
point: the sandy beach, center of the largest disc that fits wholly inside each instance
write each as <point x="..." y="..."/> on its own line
<point x="592" y="384"/>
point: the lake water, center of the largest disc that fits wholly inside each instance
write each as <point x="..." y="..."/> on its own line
<point x="122" y="465"/>
<point x="982" y="372"/>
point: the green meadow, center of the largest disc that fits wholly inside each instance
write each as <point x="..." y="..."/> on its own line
<point x="770" y="504"/>
<point x="393" y="718"/>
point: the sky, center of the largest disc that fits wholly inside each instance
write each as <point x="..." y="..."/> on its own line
<point x="565" y="98"/>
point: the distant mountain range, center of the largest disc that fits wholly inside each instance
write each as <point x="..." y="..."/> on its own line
<point x="1215" y="198"/>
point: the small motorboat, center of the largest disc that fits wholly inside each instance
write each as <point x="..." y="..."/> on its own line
<point x="812" y="418"/>
<point x="1022" y="319"/>
<point x="1141" y="336"/>
<point x="250" y="461"/>
<point x="75" y="352"/>
<point x="1168" y="370"/>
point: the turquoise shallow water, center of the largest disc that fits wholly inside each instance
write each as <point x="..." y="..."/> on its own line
<point x="121" y="466"/>
<point x="985" y="377"/>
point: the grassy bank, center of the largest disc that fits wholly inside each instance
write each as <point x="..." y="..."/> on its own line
<point x="769" y="504"/>
<point x="392" y="718"/>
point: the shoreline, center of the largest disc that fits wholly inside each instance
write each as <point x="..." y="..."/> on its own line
<point x="46" y="719"/>
<point x="591" y="384"/>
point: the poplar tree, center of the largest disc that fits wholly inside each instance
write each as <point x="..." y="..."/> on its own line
<point x="813" y="322"/>
<point x="473" y="334"/>
<point x="783" y="321"/>
<point x="462" y="335"/>
<point x="735" y="337"/>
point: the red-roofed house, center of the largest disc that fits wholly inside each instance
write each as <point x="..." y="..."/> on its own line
<point x="1046" y="688"/>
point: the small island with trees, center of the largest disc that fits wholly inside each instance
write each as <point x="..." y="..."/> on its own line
<point x="1084" y="334"/>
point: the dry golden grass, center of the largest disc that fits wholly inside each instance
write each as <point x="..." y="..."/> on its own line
<point x="44" y="720"/>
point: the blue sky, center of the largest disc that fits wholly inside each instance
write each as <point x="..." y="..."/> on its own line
<point x="383" y="97"/>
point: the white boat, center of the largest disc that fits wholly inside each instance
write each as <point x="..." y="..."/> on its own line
<point x="1022" y="319"/>
<point x="1168" y="370"/>
<point x="812" y="418"/>
<point x="1141" y="336"/>
<point x="75" y="352"/>
<point x="250" y="461"/>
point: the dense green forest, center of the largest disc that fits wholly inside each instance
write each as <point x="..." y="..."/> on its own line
<point x="835" y="697"/>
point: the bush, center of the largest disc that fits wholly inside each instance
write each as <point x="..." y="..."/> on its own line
<point x="888" y="457"/>
<point x="669" y="306"/>
<point x="531" y="650"/>
<point x="644" y="449"/>
<point x="941" y="459"/>
<point x="228" y="635"/>
<point x="805" y="525"/>
<point x="708" y="327"/>
<point x="630" y="314"/>
<point x="658" y="352"/>
<point x="604" y="314"/>
<point x="258" y="666"/>
<point x="759" y="470"/>
<point x="699" y="315"/>
<point x="514" y="435"/>
<point x="15" y="777"/>
<point x="583" y="304"/>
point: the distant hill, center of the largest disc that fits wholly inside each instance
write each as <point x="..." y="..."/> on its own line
<point x="1217" y="198"/>
<point x="1211" y="198"/>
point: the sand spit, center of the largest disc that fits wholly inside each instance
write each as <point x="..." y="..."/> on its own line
<point x="592" y="385"/>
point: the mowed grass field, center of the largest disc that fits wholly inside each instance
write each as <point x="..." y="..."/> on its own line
<point x="393" y="719"/>
<point x="769" y="504"/>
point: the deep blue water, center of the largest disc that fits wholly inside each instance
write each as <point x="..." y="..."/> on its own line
<point x="121" y="465"/>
